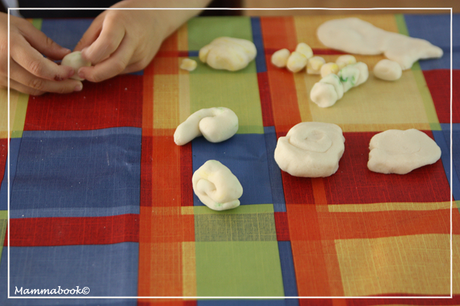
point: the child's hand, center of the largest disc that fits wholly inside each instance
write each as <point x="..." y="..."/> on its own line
<point x="124" y="41"/>
<point x="30" y="72"/>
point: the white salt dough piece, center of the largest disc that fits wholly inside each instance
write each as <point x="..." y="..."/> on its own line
<point x="329" y="68"/>
<point x="331" y="88"/>
<point x="314" y="65"/>
<point x="304" y="49"/>
<point x="400" y="152"/>
<point x="280" y="58"/>
<point x="188" y="64"/>
<point x="228" y="53"/>
<point x="75" y="61"/>
<point x="345" y="60"/>
<point x="310" y="149"/>
<point x="216" y="186"/>
<point x="216" y="124"/>
<point x="387" y="70"/>
<point x="356" y="36"/>
<point x="296" y="62"/>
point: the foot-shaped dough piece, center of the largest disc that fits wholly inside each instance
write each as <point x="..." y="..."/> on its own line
<point x="75" y="61"/>
<point x="400" y="152"/>
<point x="216" y="124"/>
<point x="354" y="35"/>
<point x="228" y="53"/>
<point x="310" y="149"/>
<point x="216" y="186"/>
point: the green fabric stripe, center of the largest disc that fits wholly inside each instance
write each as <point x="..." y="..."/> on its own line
<point x="242" y="209"/>
<point x="37" y="23"/>
<point x="401" y="24"/>
<point x="20" y="116"/>
<point x="3" y="225"/>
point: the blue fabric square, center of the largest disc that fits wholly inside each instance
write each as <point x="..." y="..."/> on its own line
<point x="65" y="32"/>
<point x="442" y="138"/>
<point x="77" y="173"/>
<point x="436" y="29"/>
<point x="108" y="270"/>
<point x="246" y="156"/>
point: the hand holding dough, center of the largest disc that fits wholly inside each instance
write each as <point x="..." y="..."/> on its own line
<point x="228" y="53"/>
<point x="310" y="149"/>
<point x="216" y="124"/>
<point x="216" y="186"/>
<point x="354" y="35"/>
<point x="75" y="61"/>
<point x="396" y="151"/>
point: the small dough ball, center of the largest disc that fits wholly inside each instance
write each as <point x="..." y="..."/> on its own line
<point x="305" y="50"/>
<point x="280" y="58"/>
<point x="296" y="62"/>
<point x="314" y="65"/>
<point x="228" y="53"/>
<point x="387" y="70"/>
<point x="345" y="60"/>
<point x="188" y="64"/>
<point x="75" y="61"/>
<point x="329" y="68"/>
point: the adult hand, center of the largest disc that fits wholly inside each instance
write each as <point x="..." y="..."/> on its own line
<point x="30" y="71"/>
<point x="123" y="41"/>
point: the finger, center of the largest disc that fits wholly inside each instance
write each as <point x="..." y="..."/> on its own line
<point x="90" y="35"/>
<point x="111" y="67"/>
<point x="24" y="89"/>
<point x="31" y="60"/>
<point x="109" y="40"/>
<point x="41" y="42"/>
<point x="34" y="83"/>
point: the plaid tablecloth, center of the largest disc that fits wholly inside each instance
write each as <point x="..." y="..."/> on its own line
<point x="102" y="202"/>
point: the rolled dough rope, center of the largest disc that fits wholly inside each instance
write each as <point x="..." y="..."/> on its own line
<point x="356" y="36"/>
<point x="216" y="124"/>
<point x="216" y="186"/>
<point x="310" y="149"/>
<point x="75" y="61"/>
<point x="228" y="53"/>
<point x="400" y="152"/>
<point x="331" y="88"/>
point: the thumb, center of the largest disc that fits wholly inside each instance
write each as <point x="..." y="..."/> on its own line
<point x="91" y="34"/>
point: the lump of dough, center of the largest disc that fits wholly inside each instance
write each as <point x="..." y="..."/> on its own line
<point x="354" y="35"/>
<point x="304" y="49"/>
<point x="400" y="152"/>
<point x="188" y="64"/>
<point x="387" y="70"/>
<point x="75" y="61"/>
<point x="332" y="87"/>
<point x="280" y="58"/>
<point x="345" y="60"/>
<point x="310" y="149"/>
<point x="296" y="62"/>
<point x="329" y="68"/>
<point x="228" y="53"/>
<point x="314" y="65"/>
<point x="216" y="124"/>
<point x="216" y="186"/>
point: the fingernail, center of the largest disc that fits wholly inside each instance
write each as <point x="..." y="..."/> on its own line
<point x="71" y="73"/>
<point x="79" y="87"/>
<point x="66" y="50"/>
<point x="81" y="74"/>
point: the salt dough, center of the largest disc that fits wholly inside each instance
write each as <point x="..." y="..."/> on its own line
<point x="228" y="53"/>
<point x="356" y="36"/>
<point x="188" y="64"/>
<point x="299" y="58"/>
<point x="216" y="124"/>
<point x="387" y="70"/>
<point x="400" y="152"/>
<point x="310" y="149"/>
<point x="216" y="186"/>
<point x="329" y="68"/>
<point x="280" y="58"/>
<point x="331" y="88"/>
<point x="345" y="60"/>
<point x="75" y="61"/>
<point x="314" y="65"/>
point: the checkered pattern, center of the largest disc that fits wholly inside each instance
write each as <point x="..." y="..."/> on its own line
<point x="101" y="196"/>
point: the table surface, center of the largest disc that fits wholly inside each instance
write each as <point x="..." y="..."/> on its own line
<point x="101" y="197"/>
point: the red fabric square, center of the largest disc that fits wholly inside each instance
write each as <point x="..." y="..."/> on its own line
<point x="282" y="227"/>
<point x="354" y="183"/>
<point x="113" y="103"/>
<point x="438" y="82"/>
